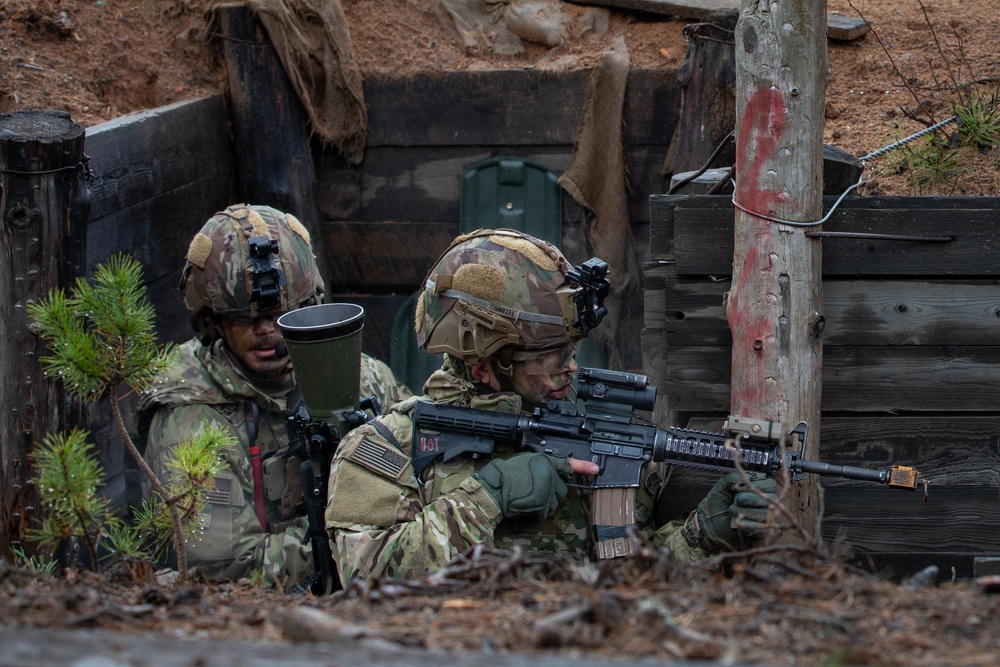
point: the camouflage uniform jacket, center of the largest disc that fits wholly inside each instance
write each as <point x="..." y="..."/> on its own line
<point x="207" y="385"/>
<point x="384" y="522"/>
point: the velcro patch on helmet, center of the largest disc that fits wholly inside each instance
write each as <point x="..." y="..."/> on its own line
<point x="297" y="227"/>
<point x="462" y="238"/>
<point x="199" y="250"/>
<point x="480" y="280"/>
<point x="523" y="246"/>
<point x="256" y="221"/>
<point x="419" y="318"/>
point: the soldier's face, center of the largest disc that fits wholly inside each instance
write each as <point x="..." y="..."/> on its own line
<point x="254" y="342"/>
<point x="545" y="378"/>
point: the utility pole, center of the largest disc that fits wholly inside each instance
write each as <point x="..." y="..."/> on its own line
<point x="775" y="305"/>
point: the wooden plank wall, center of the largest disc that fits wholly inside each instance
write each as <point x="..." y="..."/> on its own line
<point x="386" y="221"/>
<point x="911" y="354"/>
<point x="158" y="176"/>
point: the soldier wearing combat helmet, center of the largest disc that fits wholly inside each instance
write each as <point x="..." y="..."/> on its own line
<point x="507" y="310"/>
<point x="247" y="266"/>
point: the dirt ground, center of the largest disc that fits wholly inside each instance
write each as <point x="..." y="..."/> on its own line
<point x="99" y="59"/>
<point x="817" y="613"/>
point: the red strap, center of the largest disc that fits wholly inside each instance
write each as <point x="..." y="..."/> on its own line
<point x="258" y="486"/>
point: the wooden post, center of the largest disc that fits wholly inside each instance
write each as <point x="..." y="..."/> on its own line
<point x="44" y="207"/>
<point x="707" y="80"/>
<point x="775" y="306"/>
<point x="274" y="165"/>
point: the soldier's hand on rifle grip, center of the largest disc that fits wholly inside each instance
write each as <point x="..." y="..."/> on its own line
<point x="731" y="511"/>
<point x="526" y="483"/>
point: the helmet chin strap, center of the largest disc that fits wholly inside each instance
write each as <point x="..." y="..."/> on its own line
<point x="504" y="366"/>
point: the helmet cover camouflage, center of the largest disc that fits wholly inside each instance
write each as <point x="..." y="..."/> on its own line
<point x="246" y="262"/>
<point x="495" y="289"/>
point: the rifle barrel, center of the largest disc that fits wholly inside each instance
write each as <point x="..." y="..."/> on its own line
<point x="850" y="472"/>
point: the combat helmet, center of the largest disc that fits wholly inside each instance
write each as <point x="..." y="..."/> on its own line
<point x="499" y="291"/>
<point x="247" y="262"/>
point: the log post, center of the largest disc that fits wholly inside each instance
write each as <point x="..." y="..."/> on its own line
<point x="775" y="305"/>
<point x="707" y="80"/>
<point x="45" y="205"/>
<point x="274" y="165"/>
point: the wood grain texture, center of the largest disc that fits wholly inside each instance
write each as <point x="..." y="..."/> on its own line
<point x="157" y="230"/>
<point x="837" y="27"/>
<point x="703" y="241"/>
<point x="927" y="378"/>
<point x="42" y="244"/>
<point x="143" y="155"/>
<point x="857" y="312"/>
<point x="383" y="257"/>
<point x="509" y="107"/>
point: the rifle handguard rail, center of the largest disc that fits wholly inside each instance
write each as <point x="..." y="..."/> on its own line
<point x="610" y="435"/>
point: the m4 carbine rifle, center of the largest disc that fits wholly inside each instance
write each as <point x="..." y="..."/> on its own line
<point x="316" y="441"/>
<point x="611" y="435"/>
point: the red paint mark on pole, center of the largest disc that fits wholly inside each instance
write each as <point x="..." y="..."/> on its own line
<point x="762" y="124"/>
<point x="747" y="321"/>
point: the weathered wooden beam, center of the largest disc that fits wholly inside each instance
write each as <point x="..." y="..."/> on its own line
<point x="947" y="213"/>
<point x="270" y="126"/>
<point x="707" y="82"/>
<point x="903" y="241"/>
<point x="44" y="207"/>
<point x="383" y="257"/>
<point x="925" y="378"/>
<point x="143" y="155"/>
<point x="509" y="108"/>
<point x="857" y="312"/>
<point x="775" y="304"/>
<point x="837" y="27"/>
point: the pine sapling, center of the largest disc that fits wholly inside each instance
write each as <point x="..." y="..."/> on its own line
<point x="102" y="339"/>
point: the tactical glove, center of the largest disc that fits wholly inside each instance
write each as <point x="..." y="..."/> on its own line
<point x="730" y="510"/>
<point x="526" y="483"/>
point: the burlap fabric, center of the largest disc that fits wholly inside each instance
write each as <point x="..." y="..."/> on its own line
<point x="314" y="45"/>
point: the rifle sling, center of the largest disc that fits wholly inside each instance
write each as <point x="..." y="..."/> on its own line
<point x="384" y="431"/>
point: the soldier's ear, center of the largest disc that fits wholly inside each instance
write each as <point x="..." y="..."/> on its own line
<point x="485" y="373"/>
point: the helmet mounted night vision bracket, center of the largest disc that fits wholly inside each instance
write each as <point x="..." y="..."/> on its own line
<point x="267" y="277"/>
<point x="591" y="277"/>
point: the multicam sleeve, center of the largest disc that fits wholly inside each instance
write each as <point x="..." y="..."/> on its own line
<point x="377" y="380"/>
<point x="283" y="558"/>
<point x="380" y="526"/>
<point x="682" y="538"/>
<point x="684" y="541"/>
<point x="677" y="536"/>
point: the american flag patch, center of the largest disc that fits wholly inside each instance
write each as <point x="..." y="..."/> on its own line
<point x="220" y="494"/>
<point x="379" y="458"/>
